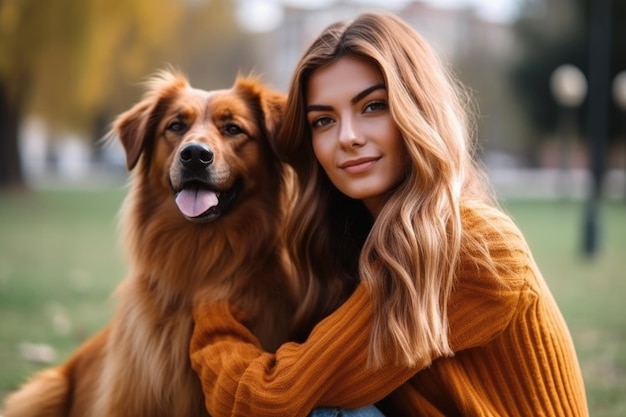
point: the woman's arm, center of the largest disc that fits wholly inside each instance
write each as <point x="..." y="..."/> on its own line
<point x="329" y="369"/>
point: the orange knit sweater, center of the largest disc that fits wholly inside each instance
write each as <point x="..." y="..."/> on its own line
<point x="513" y="352"/>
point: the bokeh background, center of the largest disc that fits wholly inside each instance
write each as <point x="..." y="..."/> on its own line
<point x="548" y="77"/>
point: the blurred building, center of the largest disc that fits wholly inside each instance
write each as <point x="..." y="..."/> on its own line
<point x="481" y="52"/>
<point x="456" y="33"/>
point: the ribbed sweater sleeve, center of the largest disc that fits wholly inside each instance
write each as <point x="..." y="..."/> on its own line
<point x="514" y="355"/>
<point x="330" y="368"/>
<point x="513" y="352"/>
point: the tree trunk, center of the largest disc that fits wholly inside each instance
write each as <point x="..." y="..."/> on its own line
<point x="11" y="176"/>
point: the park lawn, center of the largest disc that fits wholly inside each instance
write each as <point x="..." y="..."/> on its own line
<point x="589" y="290"/>
<point x="60" y="260"/>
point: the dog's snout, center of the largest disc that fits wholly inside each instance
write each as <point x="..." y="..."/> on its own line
<point x="196" y="156"/>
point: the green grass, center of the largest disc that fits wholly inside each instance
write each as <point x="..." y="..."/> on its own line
<point x="60" y="260"/>
<point x="590" y="291"/>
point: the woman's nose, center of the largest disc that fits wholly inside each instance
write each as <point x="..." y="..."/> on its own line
<point x="350" y="134"/>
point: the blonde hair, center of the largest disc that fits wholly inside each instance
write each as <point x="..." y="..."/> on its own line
<point x="409" y="255"/>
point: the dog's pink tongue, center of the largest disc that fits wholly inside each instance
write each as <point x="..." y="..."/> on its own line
<point x="192" y="202"/>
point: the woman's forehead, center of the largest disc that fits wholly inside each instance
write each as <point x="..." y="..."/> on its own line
<point x="344" y="77"/>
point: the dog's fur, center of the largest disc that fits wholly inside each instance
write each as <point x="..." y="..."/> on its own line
<point x="139" y="364"/>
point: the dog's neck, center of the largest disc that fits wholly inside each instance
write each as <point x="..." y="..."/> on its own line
<point x="170" y="253"/>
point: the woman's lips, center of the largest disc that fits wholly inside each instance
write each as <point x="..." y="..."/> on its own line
<point x="358" y="165"/>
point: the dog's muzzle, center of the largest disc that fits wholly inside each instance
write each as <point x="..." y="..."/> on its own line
<point x="198" y="199"/>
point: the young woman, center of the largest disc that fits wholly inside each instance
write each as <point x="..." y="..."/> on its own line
<point x="420" y="294"/>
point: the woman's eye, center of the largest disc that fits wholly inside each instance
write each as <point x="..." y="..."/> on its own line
<point x="232" y="129"/>
<point x="375" y="106"/>
<point x="321" y="121"/>
<point x="176" y="127"/>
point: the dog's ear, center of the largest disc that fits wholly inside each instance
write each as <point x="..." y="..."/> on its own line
<point x="136" y="126"/>
<point x="271" y="102"/>
<point x="131" y="129"/>
<point x="273" y="105"/>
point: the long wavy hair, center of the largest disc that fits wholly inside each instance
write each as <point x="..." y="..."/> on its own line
<point x="409" y="254"/>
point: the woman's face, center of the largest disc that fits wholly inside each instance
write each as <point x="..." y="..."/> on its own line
<point x="355" y="139"/>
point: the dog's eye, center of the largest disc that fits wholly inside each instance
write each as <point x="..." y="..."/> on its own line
<point x="232" y="129"/>
<point x="176" y="127"/>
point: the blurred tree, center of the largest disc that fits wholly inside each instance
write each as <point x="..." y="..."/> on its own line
<point x="21" y="25"/>
<point x="552" y="33"/>
<point x="199" y="37"/>
<point x="71" y="62"/>
<point x="58" y="59"/>
<point x="210" y="47"/>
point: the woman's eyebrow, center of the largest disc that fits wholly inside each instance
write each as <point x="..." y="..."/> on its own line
<point x="366" y="92"/>
<point x="355" y="99"/>
<point x="318" y="107"/>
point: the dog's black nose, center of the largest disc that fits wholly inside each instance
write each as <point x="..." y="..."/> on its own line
<point x="196" y="156"/>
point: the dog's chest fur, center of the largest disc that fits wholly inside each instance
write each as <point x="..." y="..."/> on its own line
<point x="148" y="360"/>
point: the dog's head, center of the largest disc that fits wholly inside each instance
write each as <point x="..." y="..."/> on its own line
<point x="205" y="148"/>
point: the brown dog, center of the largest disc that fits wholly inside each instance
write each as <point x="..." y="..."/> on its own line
<point x="201" y="222"/>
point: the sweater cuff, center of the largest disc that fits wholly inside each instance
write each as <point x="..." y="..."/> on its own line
<point x="220" y="321"/>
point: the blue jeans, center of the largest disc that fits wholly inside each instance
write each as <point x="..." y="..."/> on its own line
<point x="370" y="411"/>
